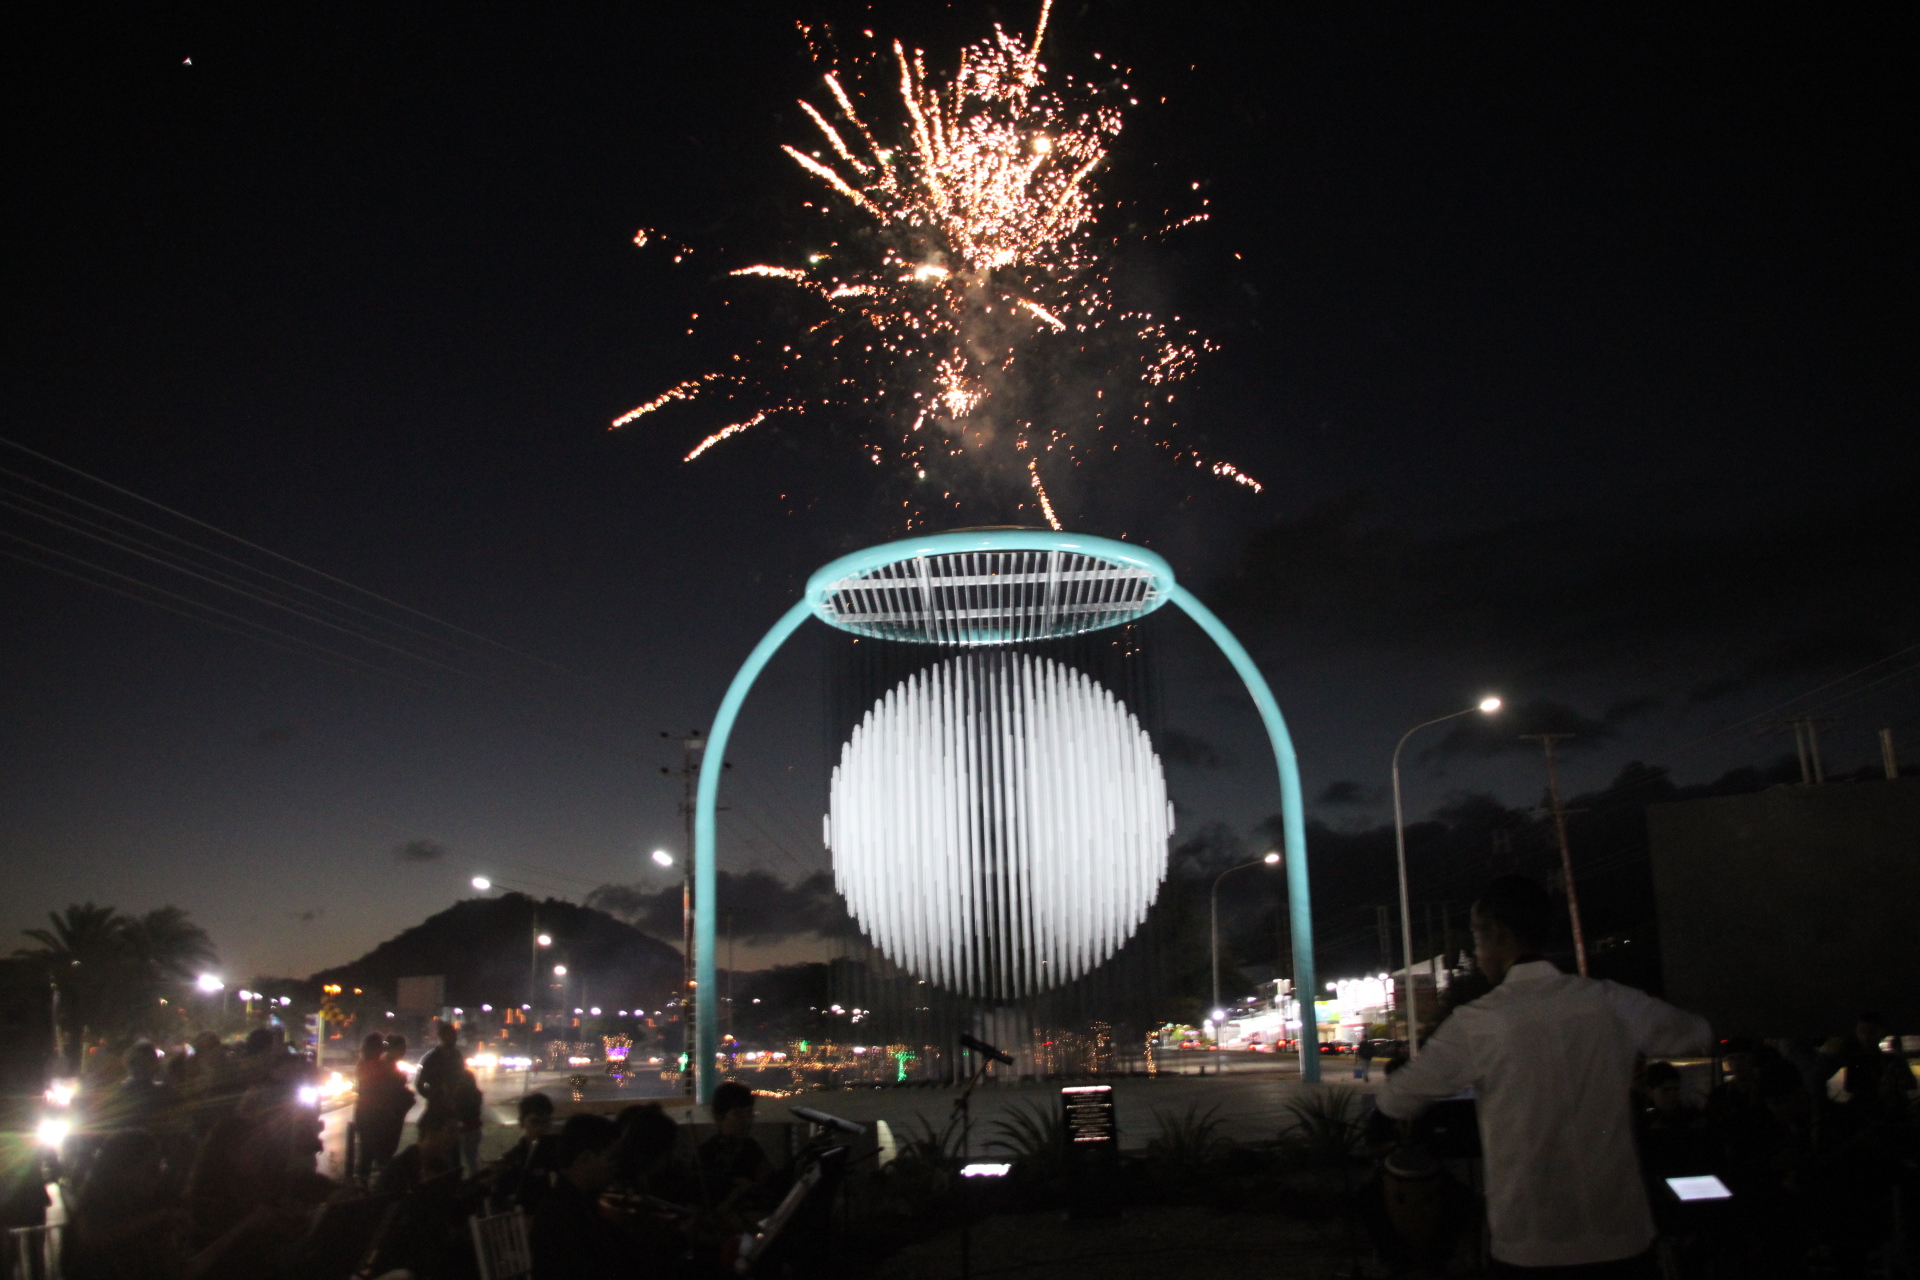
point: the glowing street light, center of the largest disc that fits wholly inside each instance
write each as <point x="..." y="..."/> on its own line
<point x="662" y="858"/>
<point x="1486" y="706"/>
<point x="1270" y="860"/>
<point x="559" y="971"/>
<point x="482" y="883"/>
<point x="209" y="984"/>
<point x="545" y="940"/>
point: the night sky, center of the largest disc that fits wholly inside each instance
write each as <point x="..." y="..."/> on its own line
<point x="1572" y="343"/>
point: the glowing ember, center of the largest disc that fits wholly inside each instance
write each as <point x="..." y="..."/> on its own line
<point x="964" y="291"/>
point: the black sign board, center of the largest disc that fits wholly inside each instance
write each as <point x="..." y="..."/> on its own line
<point x="1090" y="1123"/>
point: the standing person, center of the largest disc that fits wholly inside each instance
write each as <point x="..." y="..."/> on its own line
<point x="1363" y="1061"/>
<point x="140" y="1100"/>
<point x="1551" y="1059"/>
<point x="387" y="1106"/>
<point x="438" y="1079"/>
<point x="366" y="1092"/>
<point x="469" y="1108"/>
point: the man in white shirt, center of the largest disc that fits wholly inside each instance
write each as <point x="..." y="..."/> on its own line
<point x="1550" y="1058"/>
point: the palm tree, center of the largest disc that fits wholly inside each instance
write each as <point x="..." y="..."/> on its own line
<point x="111" y="970"/>
<point x="85" y="954"/>
<point x="173" y="947"/>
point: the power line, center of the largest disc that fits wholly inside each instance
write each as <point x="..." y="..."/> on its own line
<point x="284" y="559"/>
<point x="198" y="609"/>
<point x="324" y="599"/>
<point x="241" y="589"/>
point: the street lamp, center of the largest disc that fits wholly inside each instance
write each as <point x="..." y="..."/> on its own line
<point x="1486" y="706"/>
<point x="661" y="858"/>
<point x="1272" y="859"/>
<point x="482" y="883"/>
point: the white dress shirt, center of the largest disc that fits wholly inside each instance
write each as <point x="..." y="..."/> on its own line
<point x="1550" y="1059"/>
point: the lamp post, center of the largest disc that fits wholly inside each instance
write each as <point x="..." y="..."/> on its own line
<point x="1270" y="860"/>
<point x="533" y="994"/>
<point x="1486" y="706"/>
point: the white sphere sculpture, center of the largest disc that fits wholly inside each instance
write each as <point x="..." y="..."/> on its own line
<point x="999" y="824"/>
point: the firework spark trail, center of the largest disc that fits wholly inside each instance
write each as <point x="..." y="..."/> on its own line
<point x="967" y="274"/>
<point x="1046" y="503"/>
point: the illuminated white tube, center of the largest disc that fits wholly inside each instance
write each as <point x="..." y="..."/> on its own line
<point x="999" y="824"/>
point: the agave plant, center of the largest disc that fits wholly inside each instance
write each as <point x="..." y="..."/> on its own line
<point x="1191" y="1137"/>
<point x="933" y="1146"/>
<point x="1326" y="1125"/>
<point x="1033" y="1134"/>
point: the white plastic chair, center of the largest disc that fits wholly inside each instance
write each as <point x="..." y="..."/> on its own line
<point x="500" y="1243"/>
<point x="33" y="1253"/>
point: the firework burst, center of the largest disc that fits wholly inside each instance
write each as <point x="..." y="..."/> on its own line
<point x="960" y="310"/>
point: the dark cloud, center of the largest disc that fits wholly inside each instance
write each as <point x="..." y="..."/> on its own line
<point x="421" y="851"/>
<point x="1632" y="708"/>
<point x="309" y="915"/>
<point x="1507" y="732"/>
<point x="1714" y="608"/>
<point x="1347" y="792"/>
<point x="1820" y="650"/>
<point x="1190" y="750"/>
<point x="762" y="907"/>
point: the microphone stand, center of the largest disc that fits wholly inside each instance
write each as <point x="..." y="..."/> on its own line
<point x="963" y="1107"/>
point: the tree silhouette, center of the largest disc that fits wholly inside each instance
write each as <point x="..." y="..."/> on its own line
<point x="113" y="970"/>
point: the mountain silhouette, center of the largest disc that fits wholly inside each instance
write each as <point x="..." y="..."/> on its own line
<point x="484" y="948"/>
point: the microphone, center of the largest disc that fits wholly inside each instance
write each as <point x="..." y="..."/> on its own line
<point x="985" y="1050"/>
<point x="825" y="1121"/>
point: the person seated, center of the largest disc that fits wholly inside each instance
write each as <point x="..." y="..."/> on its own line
<point x="261" y="1156"/>
<point x="124" y="1224"/>
<point x="734" y="1169"/>
<point x="643" y="1159"/>
<point x="523" y="1176"/>
<point x="427" y="1234"/>
<point x="1674" y="1139"/>
<point x="1867" y="1082"/>
<point x="435" y="1153"/>
<point x="571" y="1237"/>
<point x="651" y="1191"/>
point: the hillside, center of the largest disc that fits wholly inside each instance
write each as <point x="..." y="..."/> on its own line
<point x="483" y="947"/>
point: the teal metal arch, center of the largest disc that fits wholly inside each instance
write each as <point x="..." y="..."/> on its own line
<point x="813" y="602"/>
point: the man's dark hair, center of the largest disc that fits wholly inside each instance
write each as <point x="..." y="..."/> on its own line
<point x="1521" y="906"/>
<point x="535" y="1104"/>
<point x="730" y="1096"/>
<point x="1659" y="1074"/>
<point x="259" y="1040"/>
<point x="584" y="1134"/>
<point x="647" y="1134"/>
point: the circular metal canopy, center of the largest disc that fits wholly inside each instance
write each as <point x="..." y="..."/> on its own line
<point x="989" y="586"/>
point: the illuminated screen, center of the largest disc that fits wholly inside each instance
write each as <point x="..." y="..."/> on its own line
<point x="1701" y="1187"/>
